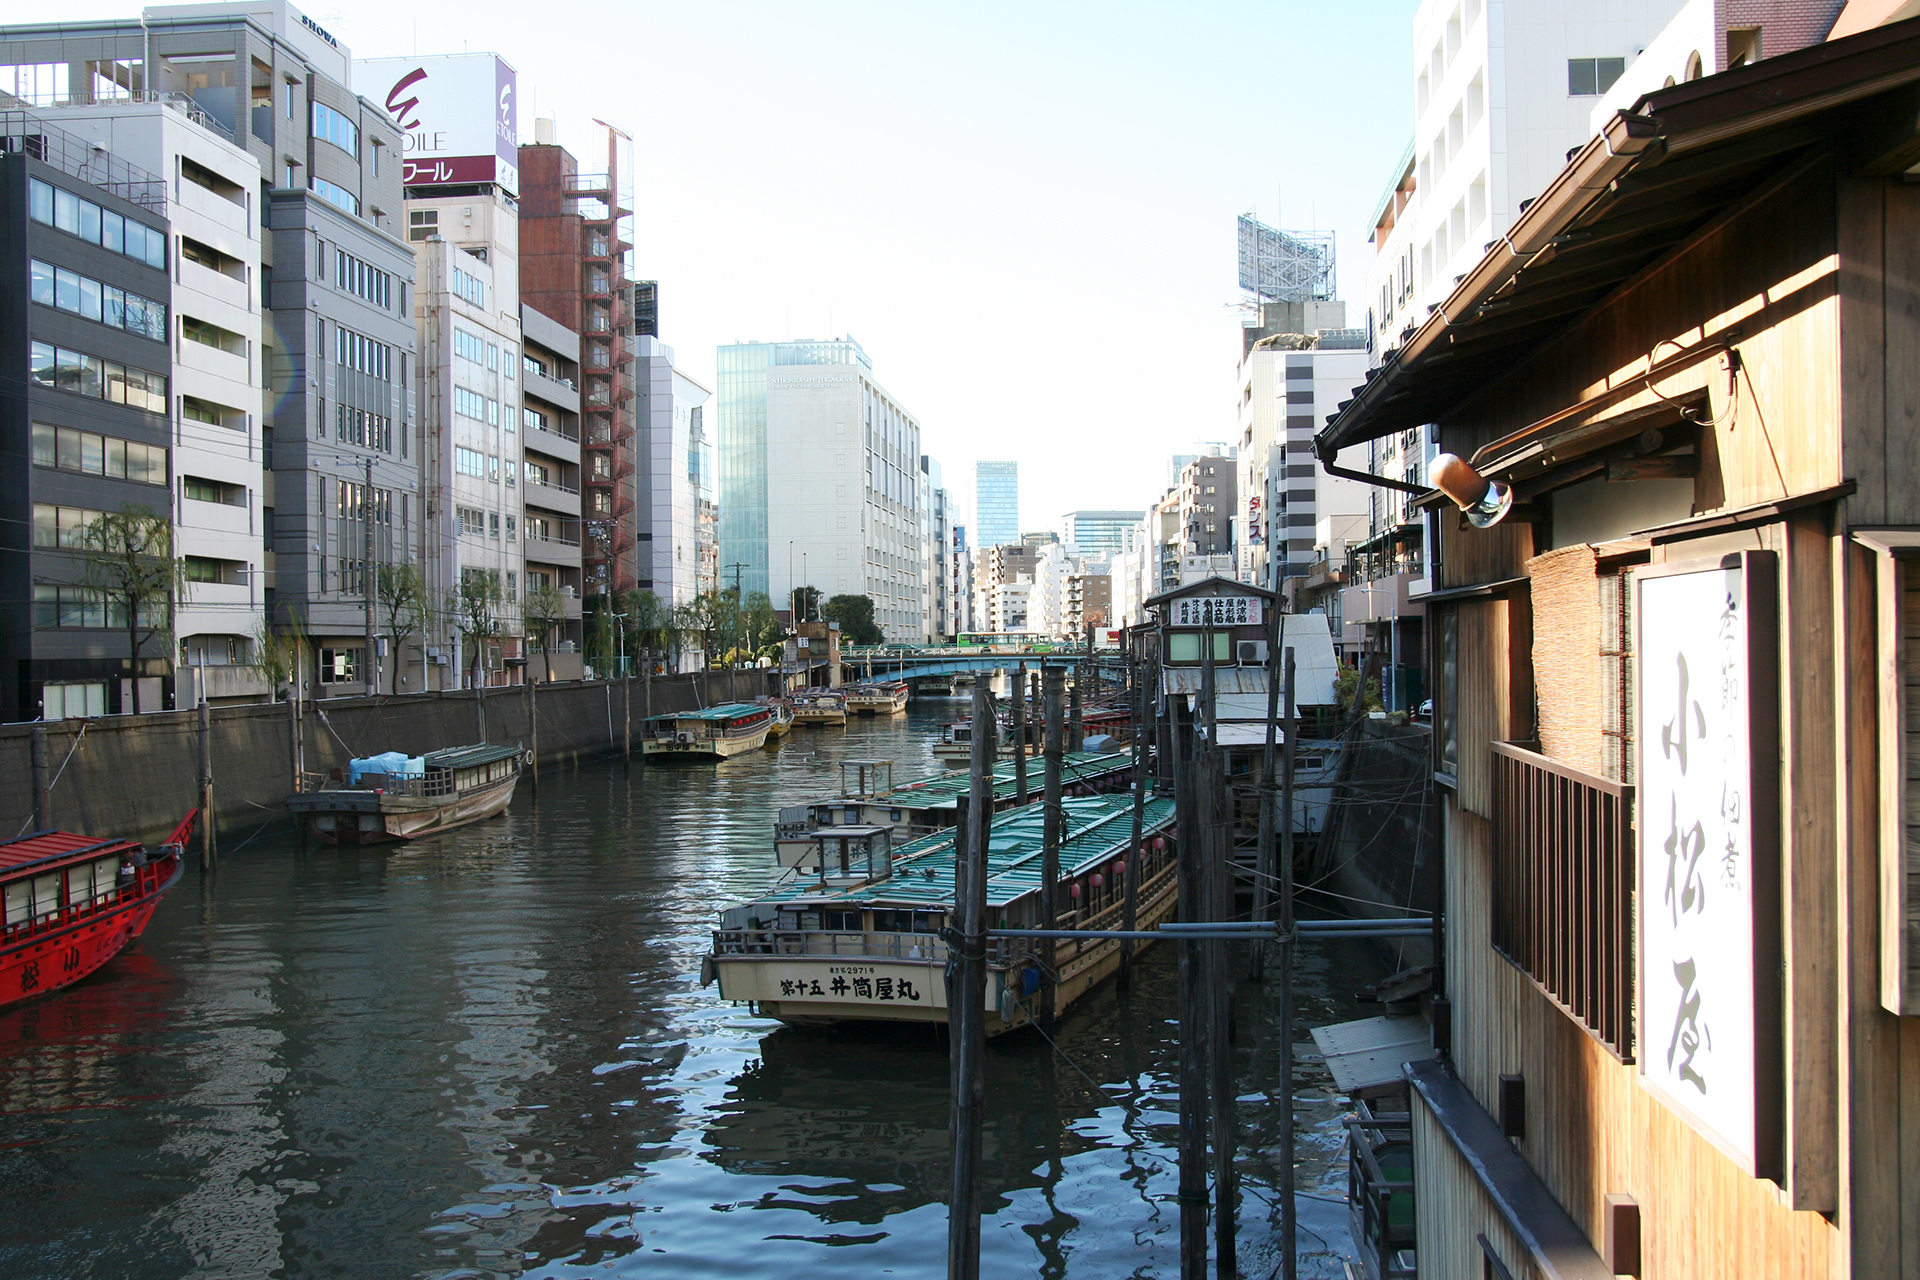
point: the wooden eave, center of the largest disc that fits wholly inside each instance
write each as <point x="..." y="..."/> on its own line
<point x="1651" y="179"/>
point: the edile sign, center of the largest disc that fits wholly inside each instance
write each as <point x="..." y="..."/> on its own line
<point x="458" y="116"/>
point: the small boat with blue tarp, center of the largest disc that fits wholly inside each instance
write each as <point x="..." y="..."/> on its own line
<point x="711" y="733"/>
<point x="855" y="934"/>
<point x="394" y="796"/>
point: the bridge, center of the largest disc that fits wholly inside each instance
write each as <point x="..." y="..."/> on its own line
<point x="911" y="662"/>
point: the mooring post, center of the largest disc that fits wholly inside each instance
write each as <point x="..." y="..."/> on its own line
<point x="1077" y="725"/>
<point x="1269" y="782"/>
<point x="42" y="801"/>
<point x="1130" y="910"/>
<point x="1019" y="710"/>
<point x="1289" y="1260"/>
<point x="293" y="737"/>
<point x="1216" y="891"/>
<point x="1193" y="1066"/>
<point x="626" y="713"/>
<point x="533" y="732"/>
<point x="206" y="788"/>
<point x="1053" y="830"/>
<point x="967" y="996"/>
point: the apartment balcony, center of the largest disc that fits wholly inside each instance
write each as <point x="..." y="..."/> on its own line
<point x="552" y="496"/>
<point x="1563" y="879"/>
<point x="555" y="391"/>
<point x="557" y="551"/>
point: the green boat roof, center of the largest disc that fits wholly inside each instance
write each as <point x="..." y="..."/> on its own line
<point x="942" y="790"/>
<point x="1099" y="828"/>
<point x="468" y="757"/>
<point x="725" y="711"/>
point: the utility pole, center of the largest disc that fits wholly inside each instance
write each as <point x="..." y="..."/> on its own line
<point x="1020" y="735"/>
<point x="967" y="996"/>
<point x="533" y="733"/>
<point x="739" y="605"/>
<point x="206" y="787"/>
<point x="367" y="581"/>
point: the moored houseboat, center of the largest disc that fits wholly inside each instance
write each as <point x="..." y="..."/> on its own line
<point x="819" y="706"/>
<point x="855" y="935"/>
<point x="915" y="808"/>
<point x="711" y="733"/>
<point x="396" y="797"/>
<point x="73" y="902"/>
<point x="885" y="698"/>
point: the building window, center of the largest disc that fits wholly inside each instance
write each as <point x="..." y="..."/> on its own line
<point x="470" y="287"/>
<point x="286" y="97"/>
<point x="59" y="369"/>
<point x="203" y="490"/>
<point x="63" y="209"/>
<point x="331" y="126"/>
<point x="467" y="346"/>
<point x="422" y="223"/>
<point x="1589" y="77"/>
<point x="68" y="449"/>
<point x="473" y="521"/>
<point x="89" y="299"/>
<point x="292" y="171"/>
<point x="339" y="666"/>
<point x="469" y="462"/>
<point x="337" y="195"/>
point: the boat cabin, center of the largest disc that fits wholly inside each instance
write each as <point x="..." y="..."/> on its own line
<point x="728" y="720"/>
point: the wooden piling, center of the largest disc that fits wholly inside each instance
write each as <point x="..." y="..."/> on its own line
<point x="967" y="997"/>
<point x="1289" y="1251"/>
<point x="1019" y="710"/>
<point x="1192" y="1150"/>
<point x="207" y="851"/>
<point x="1130" y="909"/>
<point x="1269" y="783"/>
<point x="533" y="734"/>
<point x="1053" y="826"/>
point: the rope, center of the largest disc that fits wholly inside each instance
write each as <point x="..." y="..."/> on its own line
<point x="58" y="773"/>
<point x="1034" y="1023"/>
<point x="336" y="736"/>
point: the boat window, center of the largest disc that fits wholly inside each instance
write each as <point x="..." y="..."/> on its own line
<point x="846" y="921"/>
<point x="34" y="899"/>
<point x="1309" y="762"/>
<point x="894" y="814"/>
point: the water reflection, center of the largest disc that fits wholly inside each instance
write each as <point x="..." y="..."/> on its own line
<point x="487" y="1055"/>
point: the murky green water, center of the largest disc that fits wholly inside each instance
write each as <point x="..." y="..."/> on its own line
<point x="489" y="1055"/>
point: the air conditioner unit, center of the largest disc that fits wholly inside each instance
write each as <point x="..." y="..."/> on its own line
<point x="437" y="658"/>
<point x="1252" y="652"/>
<point x="685" y="738"/>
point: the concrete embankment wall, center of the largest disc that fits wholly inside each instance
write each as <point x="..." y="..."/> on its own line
<point x="135" y="776"/>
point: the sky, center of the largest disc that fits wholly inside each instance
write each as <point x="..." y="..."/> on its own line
<point x="1024" y="212"/>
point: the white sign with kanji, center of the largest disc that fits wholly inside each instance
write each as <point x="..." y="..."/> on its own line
<point x="1696" y="1043"/>
<point x="1217" y="611"/>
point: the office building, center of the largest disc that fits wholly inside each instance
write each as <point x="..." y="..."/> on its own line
<point x="1207" y="496"/>
<point x="1002" y="578"/>
<point x="996" y="503"/>
<point x="960" y="610"/>
<point x="85" y="287"/>
<point x="336" y="352"/>
<point x="819" y="478"/>
<point x="676" y="463"/>
<point x="218" y="519"/>
<point x="1102" y="531"/>
<point x="936" y="535"/>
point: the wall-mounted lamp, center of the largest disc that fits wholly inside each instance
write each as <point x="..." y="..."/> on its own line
<point x="1484" y="502"/>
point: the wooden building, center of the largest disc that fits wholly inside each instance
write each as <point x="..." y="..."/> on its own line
<point x="1674" y="655"/>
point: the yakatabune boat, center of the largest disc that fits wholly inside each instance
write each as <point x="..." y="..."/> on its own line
<point x="819" y="706"/>
<point x="412" y="798"/>
<point x="712" y="733"/>
<point x="856" y="935"/>
<point x="929" y="803"/>
<point x="884" y="698"/>
<point x="73" y="902"/>
<point x="781" y="712"/>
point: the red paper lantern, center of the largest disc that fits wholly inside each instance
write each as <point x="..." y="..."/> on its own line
<point x="1159" y="844"/>
<point x="1099" y="880"/>
<point x="1074" y="889"/>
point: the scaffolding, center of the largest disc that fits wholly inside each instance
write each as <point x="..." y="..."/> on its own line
<point x="1285" y="266"/>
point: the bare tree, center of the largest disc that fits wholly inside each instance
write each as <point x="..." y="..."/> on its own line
<point x="402" y="593"/>
<point x="282" y="653"/>
<point x="475" y="609"/>
<point x="544" y="609"/>
<point x="127" y="557"/>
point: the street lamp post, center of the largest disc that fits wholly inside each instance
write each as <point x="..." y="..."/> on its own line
<point x="1393" y="645"/>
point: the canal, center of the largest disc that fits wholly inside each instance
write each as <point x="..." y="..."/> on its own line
<point x="489" y="1055"/>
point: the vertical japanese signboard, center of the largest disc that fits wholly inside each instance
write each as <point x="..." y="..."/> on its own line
<point x="1705" y="810"/>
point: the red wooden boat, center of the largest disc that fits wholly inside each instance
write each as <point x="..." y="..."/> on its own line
<point x="73" y="902"/>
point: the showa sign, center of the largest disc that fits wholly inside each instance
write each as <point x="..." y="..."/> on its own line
<point x="1707" y="1040"/>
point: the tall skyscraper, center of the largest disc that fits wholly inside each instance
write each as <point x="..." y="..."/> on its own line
<point x="996" y="503"/>
<point x="819" y="479"/>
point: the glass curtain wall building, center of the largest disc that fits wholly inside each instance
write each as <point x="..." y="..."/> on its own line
<point x="820" y="480"/>
<point x="996" y="503"/>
